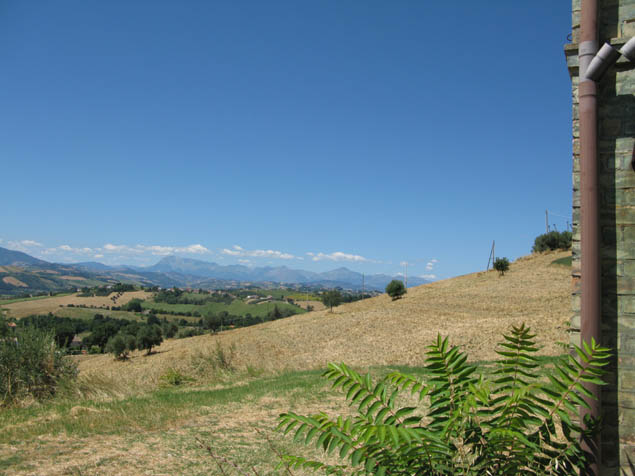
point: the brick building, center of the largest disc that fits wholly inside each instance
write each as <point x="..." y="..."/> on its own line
<point x="616" y="199"/>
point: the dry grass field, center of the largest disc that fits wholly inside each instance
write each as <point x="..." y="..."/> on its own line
<point x="44" y="306"/>
<point x="14" y="282"/>
<point x="126" y="423"/>
<point x="473" y="310"/>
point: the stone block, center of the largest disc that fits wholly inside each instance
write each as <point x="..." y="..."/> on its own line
<point x="626" y="380"/>
<point x="628" y="29"/>
<point x="621" y="179"/>
<point x="629" y="267"/>
<point x="575" y="322"/>
<point x="623" y="197"/>
<point x="625" y="215"/>
<point x="626" y="304"/>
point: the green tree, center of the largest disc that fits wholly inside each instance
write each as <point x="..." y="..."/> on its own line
<point x="395" y="289"/>
<point x="275" y="313"/>
<point x="148" y="337"/>
<point x="170" y="329"/>
<point x="501" y="265"/>
<point x="134" y="305"/>
<point x="131" y="342"/>
<point x="554" y="240"/>
<point x="153" y="319"/>
<point x="331" y="299"/>
<point x="517" y="419"/>
<point x="117" y="346"/>
<point x="4" y="327"/>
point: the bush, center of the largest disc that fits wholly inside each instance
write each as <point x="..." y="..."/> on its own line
<point x="501" y="265"/>
<point x="554" y="240"/>
<point x="395" y="289"/>
<point x="31" y="365"/>
<point x="511" y="421"/>
<point x="188" y="332"/>
<point x="214" y="361"/>
<point x="174" y="378"/>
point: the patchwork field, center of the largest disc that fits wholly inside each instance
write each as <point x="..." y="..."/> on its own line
<point x="43" y="306"/>
<point x="124" y="420"/>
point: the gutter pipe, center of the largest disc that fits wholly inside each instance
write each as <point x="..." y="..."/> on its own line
<point x="589" y="211"/>
<point x="593" y="64"/>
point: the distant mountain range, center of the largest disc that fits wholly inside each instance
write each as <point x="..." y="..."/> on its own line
<point x="21" y="273"/>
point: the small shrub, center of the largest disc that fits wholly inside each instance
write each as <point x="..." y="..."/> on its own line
<point x="554" y="240"/>
<point x="395" y="289"/>
<point x="512" y="421"/>
<point x="188" y="332"/>
<point x="174" y="378"/>
<point x="94" y="349"/>
<point x="31" y="365"/>
<point x="501" y="265"/>
<point x="213" y="361"/>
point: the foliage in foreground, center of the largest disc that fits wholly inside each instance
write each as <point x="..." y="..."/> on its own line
<point x="514" y="422"/>
<point x="501" y="265"/>
<point x="395" y="289"/>
<point x="554" y="240"/>
<point x="31" y="365"/>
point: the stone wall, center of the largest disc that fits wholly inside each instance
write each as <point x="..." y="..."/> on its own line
<point x="616" y="117"/>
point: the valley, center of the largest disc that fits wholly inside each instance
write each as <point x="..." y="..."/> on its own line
<point x="148" y="413"/>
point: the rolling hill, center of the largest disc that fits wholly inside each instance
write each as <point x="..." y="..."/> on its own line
<point x="125" y="420"/>
<point x="473" y="310"/>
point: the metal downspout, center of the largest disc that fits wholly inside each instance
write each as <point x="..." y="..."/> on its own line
<point x="589" y="208"/>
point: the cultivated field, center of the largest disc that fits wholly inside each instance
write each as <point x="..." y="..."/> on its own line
<point x="52" y="304"/>
<point x="123" y="420"/>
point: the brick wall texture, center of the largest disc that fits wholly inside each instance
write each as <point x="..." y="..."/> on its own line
<point x="616" y="127"/>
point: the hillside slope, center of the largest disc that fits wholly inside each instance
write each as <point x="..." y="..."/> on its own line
<point x="473" y="310"/>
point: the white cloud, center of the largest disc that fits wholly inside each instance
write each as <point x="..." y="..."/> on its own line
<point x="97" y="256"/>
<point x="244" y="261"/>
<point x="23" y="245"/>
<point x="240" y="251"/>
<point x="236" y="251"/>
<point x="159" y="250"/>
<point x="431" y="264"/>
<point x="112" y="248"/>
<point x="428" y="276"/>
<point x="338" y="256"/>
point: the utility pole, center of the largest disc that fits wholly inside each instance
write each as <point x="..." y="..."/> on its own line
<point x="491" y="256"/>
<point x="547" y="221"/>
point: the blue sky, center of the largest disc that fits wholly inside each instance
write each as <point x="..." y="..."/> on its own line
<point x="308" y="134"/>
